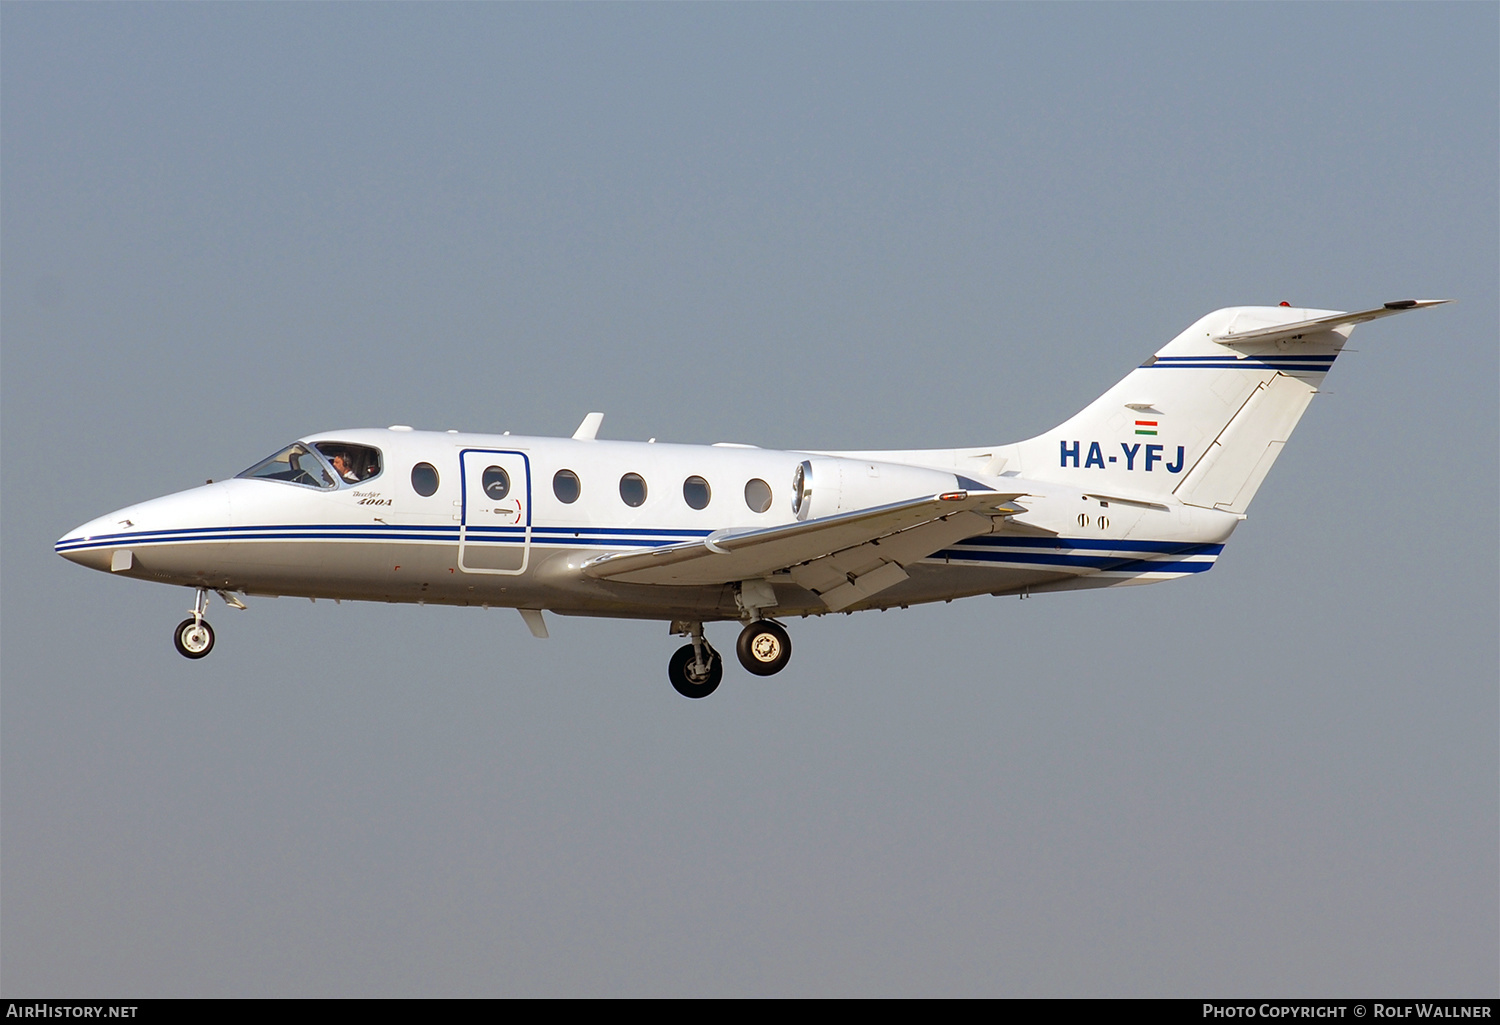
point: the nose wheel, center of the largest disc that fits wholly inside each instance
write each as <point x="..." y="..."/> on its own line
<point x="194" y="638"/>
<point x="764" y="648"/>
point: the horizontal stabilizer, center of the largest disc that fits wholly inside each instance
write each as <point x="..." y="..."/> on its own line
<point x="1292" y="332"/>
<point x="727" y="556"/>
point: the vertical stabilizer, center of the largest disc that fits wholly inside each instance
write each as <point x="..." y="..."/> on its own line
<point x="1203" y="419"/>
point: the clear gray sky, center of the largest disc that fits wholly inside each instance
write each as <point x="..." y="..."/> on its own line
<point x="224" y="226"/>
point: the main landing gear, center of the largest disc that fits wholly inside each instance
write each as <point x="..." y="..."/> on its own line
<point x="764" y="648"/>
<point x="696" y="674"/>
<point x="696" y="669"/>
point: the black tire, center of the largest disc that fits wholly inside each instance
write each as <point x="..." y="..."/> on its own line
<point x="679" y="672"/>
<point x="764" y="648"/>
<point x="194" y="639"/>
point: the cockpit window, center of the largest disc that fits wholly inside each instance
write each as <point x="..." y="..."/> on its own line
<point x="295" y="464"/>
<point x="354" y="463"/>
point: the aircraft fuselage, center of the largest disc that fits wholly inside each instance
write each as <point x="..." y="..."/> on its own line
<point x="378" y="539"/>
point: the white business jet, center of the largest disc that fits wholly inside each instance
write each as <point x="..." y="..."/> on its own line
<point x="1145" y="484"/>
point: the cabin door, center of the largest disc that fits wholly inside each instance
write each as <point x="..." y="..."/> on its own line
<point x="494" y="534"/>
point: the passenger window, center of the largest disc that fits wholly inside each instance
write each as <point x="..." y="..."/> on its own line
<point x="695" y="492"/>
<point x="295" y="464"/>
<point x="758" y="495"/>
<point x="424" y="479"/>
<point x="354" y="464"/>
<point x="566" y="487"/>
<point x="633" y="489"/>
<point x="496" y="482"/>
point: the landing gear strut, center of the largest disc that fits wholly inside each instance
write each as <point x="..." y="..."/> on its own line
<point x="696" y="668"/>
<point x="194" y="637"/>
<point x="764" y="648"/>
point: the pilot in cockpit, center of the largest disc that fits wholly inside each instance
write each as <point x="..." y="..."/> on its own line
<point x="353" y="463"/>
<point x="345" y="467"/>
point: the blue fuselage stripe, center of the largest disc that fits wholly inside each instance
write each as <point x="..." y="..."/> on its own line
<point x="382" y="532"/>
<point x="1095" y="544"/>
<point x="1095" y="562"/>
<point x="1321" y="362"/>
<point x="1098" y="554"/>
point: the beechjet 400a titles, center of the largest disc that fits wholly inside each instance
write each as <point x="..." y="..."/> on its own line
<point x="1145" y="484"/>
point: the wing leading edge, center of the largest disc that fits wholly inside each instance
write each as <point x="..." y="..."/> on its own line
<point x="842" y="558"/>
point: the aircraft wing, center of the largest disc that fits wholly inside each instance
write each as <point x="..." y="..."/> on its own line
<point x="1288" y="332"/>
<point x="862" y="551"/>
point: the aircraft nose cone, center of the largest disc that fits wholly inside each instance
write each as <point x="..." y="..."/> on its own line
<point x="109" y="542"/>
<point x="93" y="543"/>
<point x="82" y="543"/>
<point x="63" y="545"/>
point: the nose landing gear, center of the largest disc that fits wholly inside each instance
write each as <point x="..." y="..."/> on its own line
<point x="194" y="637"/>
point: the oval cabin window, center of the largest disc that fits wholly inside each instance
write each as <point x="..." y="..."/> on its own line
<point x="566" y="487"/>
<point x="424" y="479"/>
<point x="695" y="492"/>
<point x="496" y="482"/>
<point x="633" y="490"/>
<point x="758" y="495"/>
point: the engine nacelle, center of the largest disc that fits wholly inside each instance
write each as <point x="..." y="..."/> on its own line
<point x="829" y="485"/>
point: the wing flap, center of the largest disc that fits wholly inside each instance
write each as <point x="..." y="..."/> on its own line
<point x="846" y="577"/>
<point x="728" y="556"/>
